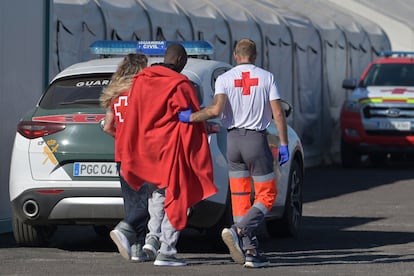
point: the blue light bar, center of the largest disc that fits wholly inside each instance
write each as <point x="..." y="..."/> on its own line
<point x="396" y="53"/>
<point x="148" y="47"/>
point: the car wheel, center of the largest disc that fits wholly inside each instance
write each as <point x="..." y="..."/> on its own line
<point x="226" y="220"/>
<point x="30" y="235"/>
<point x="349" y="157"/>
<point x="288" y="225"/>
<point x="102" y="230"/>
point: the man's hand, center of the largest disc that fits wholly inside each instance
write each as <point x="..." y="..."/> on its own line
<point x="283" y="154"/>
<point x="184" y="116"/>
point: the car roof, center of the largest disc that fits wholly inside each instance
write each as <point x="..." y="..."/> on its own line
<point x="109" y="65"/>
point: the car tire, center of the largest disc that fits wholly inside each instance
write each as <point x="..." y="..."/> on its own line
<point x="349" y="157"/>
<point x="288" y="225"/>
<point x="30" y="235"/>
<point x="214" y="233"/>
<point x="378" y="159"/>
<point x="103" y="230"/>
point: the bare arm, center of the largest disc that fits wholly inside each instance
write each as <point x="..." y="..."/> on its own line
<point x="280" y="121"/>
<point x="211" y="111"/>
<point x="109" y="126"/>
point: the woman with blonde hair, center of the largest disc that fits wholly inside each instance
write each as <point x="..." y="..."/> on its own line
<point x="129" y="234"/>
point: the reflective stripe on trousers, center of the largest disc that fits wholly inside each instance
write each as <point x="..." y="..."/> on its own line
<point x="265" y="195"/>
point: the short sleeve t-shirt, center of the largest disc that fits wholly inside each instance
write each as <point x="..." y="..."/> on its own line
<point x="249" y="90"/>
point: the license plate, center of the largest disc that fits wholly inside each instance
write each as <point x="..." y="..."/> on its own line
<point x="398" y="125"/>
<point x="94" y="169"/>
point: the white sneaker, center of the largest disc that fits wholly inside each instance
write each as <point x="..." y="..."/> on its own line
<point x="232" y="240"/>
<point x="122" y="243"/>
<point x="165" y="260"/>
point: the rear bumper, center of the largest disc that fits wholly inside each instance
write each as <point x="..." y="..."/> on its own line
<point x="93" y="206"/>
<point x="69" y="206"/>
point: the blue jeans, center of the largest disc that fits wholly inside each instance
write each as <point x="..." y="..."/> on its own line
<point x="136" y="211"/>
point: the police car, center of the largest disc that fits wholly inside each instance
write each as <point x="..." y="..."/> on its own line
<point x="377" y="120"/>
<point x="62" y="165"/>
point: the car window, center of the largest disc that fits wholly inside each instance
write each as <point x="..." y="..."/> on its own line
<point x="75" y="92"/>
<point x="389" y="74"/>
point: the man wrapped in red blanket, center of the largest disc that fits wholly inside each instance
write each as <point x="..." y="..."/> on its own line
<point x="159" y="149"/>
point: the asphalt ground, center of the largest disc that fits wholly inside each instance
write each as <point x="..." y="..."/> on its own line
<point x="355" y="222"/>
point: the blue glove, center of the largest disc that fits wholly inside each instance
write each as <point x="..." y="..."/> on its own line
<point x="184" y="116"/>
<point x="283" y="155"/>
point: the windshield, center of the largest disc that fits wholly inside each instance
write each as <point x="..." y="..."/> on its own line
<point x="390" y="74"/>
<point x="75" y="92"/>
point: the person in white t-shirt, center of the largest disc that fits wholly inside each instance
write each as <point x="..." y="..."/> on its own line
<point x="247" y="98"/>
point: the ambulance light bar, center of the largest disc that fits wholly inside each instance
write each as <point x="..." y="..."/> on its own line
<point x="396" y="53"/>
<point x="148" y="47"/>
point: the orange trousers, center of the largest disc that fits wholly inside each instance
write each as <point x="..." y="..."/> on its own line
<point x="241" y="192"/>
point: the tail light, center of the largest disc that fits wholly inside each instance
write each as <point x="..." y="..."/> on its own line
<point x="50" y="192"/>
<point x="32" y="130"/>
<point x="212" y="127"/>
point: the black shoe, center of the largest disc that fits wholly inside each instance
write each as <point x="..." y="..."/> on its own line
<point x="259" y="260"/>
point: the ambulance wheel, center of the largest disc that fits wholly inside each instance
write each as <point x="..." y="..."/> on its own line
<point x="349" y="156"/>
<point x="378" y="159"/>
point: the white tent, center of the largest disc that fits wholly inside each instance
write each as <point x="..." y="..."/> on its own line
<point x="76" y="24"/>
<point x="168" y="21"/>
<point x="125" y="20"/>
<point x="365" y="39"/>
<point x="334" y="53"/>
<point x="394" y="17"/>
<point x="349" y="42"/>
<point x="209" y="24"/>
<point x="307" y="80"/>
<point x="277" y="46"/>
<point x="240" y="21"/>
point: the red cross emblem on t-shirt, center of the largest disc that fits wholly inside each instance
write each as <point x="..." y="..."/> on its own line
<point x="246" y="82"/>
<point x="120" y="107"/>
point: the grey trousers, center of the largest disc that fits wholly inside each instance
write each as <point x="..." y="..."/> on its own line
<point x="159" y="225"/>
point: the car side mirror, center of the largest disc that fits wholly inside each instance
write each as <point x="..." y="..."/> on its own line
<point x="286" y="107"/>
<point x="350" y="83"/>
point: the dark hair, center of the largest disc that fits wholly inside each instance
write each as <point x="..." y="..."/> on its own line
<point x="176" y="55"/>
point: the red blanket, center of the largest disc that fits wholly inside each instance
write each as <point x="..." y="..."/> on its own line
<point x="160" y="149"/>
